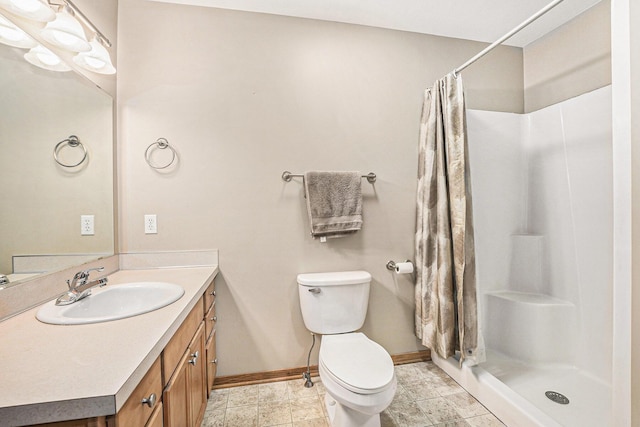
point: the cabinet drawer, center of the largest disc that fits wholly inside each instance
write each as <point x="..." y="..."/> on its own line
<point x="144" y="399"/>
<point x="209" y="296"/>
<point x="175" y="349"/>
<point x="210" y="321"/>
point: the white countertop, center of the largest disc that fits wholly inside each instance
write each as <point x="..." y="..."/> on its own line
<point x="54" y="372"/>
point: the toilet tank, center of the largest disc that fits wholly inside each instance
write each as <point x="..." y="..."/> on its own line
<point x="334" y="303"/>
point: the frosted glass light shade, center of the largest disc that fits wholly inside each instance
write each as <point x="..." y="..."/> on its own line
<point x="66" y="32"/>
<point x="96" y="60"/>
<point x="35" y="10"/>
<point x="14" y="36"/>
<point x="42" y="57"/>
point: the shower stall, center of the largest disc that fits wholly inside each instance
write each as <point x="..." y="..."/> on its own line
<point x="542" y="187"/>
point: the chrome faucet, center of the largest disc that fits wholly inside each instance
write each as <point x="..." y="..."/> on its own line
<point x="80" y="287"/>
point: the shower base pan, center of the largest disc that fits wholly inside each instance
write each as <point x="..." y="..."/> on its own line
<point x="515" y="392"/>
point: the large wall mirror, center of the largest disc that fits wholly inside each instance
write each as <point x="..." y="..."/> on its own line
<point x="42" y="201"/>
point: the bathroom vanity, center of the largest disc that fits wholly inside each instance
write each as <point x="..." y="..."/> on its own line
<point x="153" y="369"/>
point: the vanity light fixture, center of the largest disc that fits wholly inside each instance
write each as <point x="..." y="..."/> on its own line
<point x="65" y="29"/>
<point x="14" y="36"/>
<point x="34" y="10"/>
<point x="96" y="60"/>
<point x="66" y="32"/>
<point x="42" y="57"/>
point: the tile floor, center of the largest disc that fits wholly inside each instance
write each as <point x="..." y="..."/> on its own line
<point x="426" y="396"/>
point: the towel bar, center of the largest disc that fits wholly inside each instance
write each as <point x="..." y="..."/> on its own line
<point x="287" y="176"/>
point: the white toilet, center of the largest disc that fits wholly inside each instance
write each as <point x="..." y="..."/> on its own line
<point x="357" y="372"/>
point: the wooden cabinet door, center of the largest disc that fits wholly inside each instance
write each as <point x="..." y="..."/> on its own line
<point x="175" y="396"/>
<point x="212" y="362"/>
<point x="156" y="417"/>
<point x="174" y="351"/>
<point x="197" y="374"/>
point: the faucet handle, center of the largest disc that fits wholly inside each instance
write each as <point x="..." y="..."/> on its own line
<point x="80" y="278"/>
<point x="86" y="272"/>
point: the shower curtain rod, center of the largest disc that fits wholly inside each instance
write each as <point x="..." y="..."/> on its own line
<point x="498" y="42"/>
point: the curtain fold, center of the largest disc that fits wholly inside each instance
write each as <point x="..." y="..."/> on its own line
<point x="445" y="292"/>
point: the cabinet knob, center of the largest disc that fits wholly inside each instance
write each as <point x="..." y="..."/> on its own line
<point x="195" y="358"/>
<point x="213" y="293"/>
<point x="214" y="318"/>
<point x="215" y="361"/>
<point x="149" y="401"/>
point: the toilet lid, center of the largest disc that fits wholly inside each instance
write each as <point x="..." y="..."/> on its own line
<point x="356" y="362"/>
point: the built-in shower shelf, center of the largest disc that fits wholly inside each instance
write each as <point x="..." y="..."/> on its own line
<point x="530" y="327"/>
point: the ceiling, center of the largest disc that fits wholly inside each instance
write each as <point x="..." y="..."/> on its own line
<point x="481" y="20"/>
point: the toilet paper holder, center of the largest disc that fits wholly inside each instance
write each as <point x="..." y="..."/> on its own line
<point x="391" y="265"/>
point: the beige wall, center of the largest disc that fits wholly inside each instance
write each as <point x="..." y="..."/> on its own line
<point x="634" y="8"/>
<point x="569" y="61"/>
<point x="243" y="97"/>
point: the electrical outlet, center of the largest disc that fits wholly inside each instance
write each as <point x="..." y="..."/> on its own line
<point x="150" y="224"/>
<point x="87" y="225"/>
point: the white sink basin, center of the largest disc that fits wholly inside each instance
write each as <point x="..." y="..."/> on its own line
<point x="112" y="302"/>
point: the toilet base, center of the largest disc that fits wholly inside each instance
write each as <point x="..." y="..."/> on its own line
<point x="342" y="416"/>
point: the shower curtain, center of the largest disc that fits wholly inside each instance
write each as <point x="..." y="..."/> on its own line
<point x="445" y="291"/>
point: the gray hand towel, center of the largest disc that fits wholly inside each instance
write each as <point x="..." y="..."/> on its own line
<point x="334" y="202"/>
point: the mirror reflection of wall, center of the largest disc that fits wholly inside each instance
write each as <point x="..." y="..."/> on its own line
<point x="42" y="202"/>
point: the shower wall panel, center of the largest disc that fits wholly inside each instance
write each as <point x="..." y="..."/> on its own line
<point x="570" y="202"/>
<point x="497" y="166"/>
<point x="549" y="173"/>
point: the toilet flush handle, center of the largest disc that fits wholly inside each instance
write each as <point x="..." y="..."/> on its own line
<point x="314" y="290"/>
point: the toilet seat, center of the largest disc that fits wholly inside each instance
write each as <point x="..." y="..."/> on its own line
<point x="356" y="363"/>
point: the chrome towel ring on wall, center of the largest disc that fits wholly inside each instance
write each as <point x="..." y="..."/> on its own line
<point x="161" y="143"/>
<point x="72" y="141"/>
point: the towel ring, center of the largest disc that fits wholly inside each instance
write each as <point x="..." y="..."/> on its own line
<point x="161" y="143"/>
<point x="72" y="141"/>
